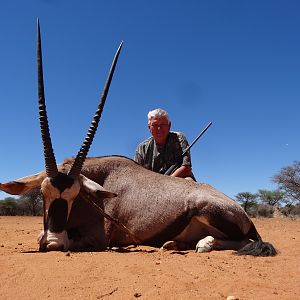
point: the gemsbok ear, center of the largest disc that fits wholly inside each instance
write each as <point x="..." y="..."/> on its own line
<point x="95" y="189"/>
<point x="24" y="184"/>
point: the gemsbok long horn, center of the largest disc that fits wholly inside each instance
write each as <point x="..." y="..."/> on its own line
<point x="81" y="156"/>
<point x="50" y="162"/>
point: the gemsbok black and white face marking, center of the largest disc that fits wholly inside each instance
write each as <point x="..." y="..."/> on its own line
<point x="58" y="195"/>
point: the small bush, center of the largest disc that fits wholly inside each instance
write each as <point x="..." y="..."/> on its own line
<point x="265" y="211"/>
<point x="291" y="210"/>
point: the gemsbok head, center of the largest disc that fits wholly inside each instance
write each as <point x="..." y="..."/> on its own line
<point x="59" y="188"/>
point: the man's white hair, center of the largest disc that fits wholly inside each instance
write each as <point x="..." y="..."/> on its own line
<point x="158" y="113"/>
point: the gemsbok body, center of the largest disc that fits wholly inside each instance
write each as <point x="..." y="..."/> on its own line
<point x="95" y="203"/>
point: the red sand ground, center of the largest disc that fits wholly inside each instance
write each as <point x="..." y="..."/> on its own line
<point x="145" y="272"/>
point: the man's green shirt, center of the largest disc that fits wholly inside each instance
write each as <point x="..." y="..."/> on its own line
<point x="159" y="158"/>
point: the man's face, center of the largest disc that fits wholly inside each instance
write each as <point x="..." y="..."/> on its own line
<point x="159" y="128"/>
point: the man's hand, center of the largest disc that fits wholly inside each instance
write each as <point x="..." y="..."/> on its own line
<point x="183" y="171"/>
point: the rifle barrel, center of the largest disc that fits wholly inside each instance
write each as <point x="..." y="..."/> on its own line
<point x="196" y="139"/>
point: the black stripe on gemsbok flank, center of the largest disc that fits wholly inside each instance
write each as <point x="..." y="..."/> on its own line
<point x="172" y="229"/>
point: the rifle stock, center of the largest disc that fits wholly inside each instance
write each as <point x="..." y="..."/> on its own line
<point x="172" y="169"/>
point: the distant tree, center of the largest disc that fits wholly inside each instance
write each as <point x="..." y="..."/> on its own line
<point x="248" y="201"/>
<point x="288" y="180"/>
<point x="31" y="202"/>
<point x="272" y="198"/>
<point x="8" y="207"/>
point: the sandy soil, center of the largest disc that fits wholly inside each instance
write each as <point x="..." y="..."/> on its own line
<point x="145" y="272"/>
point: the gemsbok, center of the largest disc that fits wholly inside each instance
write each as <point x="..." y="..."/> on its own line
<point x="95" y="203"/>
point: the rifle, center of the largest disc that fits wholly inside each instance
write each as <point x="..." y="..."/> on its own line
<point x="176" y="166"/>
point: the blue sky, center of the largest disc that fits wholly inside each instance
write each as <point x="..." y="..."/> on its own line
<point x="235" y="63"/>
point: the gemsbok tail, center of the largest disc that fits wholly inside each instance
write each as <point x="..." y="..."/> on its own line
<point x="258" y="247"/>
